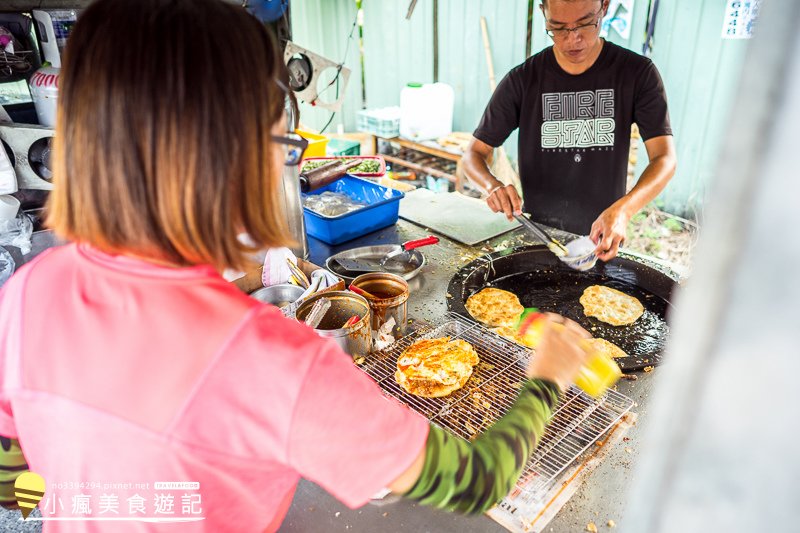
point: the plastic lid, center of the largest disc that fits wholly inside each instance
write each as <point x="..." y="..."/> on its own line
<point x="414" y="84"/>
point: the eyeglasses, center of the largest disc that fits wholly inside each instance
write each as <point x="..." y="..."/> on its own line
<point x="293" y="145"/>
<point x="583" y="30"/>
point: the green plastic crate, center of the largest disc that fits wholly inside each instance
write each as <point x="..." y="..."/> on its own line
<point x="340" y="147"/>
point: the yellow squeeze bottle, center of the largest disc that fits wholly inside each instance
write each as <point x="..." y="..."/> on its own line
<point x="598" y="373"/>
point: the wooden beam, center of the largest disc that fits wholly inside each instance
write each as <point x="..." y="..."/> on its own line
<point x="444" y="154"/>
<point x="420" y="168"/>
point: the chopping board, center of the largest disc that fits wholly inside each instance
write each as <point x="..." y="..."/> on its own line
<point x="461" y="218"/>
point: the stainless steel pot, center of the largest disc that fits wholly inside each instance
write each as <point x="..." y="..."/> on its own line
<point x="278" y="295"/>
<point x="356" y="340"/>
<point x="293" y="208"/>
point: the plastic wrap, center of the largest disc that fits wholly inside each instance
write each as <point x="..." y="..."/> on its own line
<point x="17" y="232"/>
<point x="331" y="204"/>
<point x="6" y="265"/>
<point x="362" y="191"/>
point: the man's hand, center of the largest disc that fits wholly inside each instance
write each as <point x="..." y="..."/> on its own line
<point x="500" y="198"/>
<point x="609" y="230"/>
<point x="504" y="199"/>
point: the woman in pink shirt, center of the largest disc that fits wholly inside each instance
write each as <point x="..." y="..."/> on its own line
<point x="142" y="386"/>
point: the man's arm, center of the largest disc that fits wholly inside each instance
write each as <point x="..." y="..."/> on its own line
<point x="608" y="231"/>
<point x="502" y="198"/>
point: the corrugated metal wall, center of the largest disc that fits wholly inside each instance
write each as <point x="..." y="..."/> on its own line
<point x="323" y="26"/>
<point x="700" y="69"/>
<point x="462" y="59"/>
<point x="396" y="50"/>
<point x="701" y="72"/>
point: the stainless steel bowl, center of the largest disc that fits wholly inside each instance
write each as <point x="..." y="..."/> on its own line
<point x="278" y="295"/>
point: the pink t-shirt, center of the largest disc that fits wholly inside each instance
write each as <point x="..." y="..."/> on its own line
<point x="116" y="374"/>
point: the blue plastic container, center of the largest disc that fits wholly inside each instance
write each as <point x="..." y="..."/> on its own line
<point x="383" y="206"/>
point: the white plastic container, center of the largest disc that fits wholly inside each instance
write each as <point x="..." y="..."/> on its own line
<point x="9" y="206"/>
<point x="8" y="177"/>
<point x="426" y="111"/>
<point x="44" y="90"/>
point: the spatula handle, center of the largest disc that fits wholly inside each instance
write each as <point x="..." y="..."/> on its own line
<point x="419" y="243"/>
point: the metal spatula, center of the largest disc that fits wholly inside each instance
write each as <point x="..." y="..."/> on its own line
<point x="359" y="265"/>
<point x="402" y="256"/>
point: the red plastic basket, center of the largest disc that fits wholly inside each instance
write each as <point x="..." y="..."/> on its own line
<point x="381" y="161"/>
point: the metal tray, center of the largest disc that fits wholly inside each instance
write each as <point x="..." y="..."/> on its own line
<point x="579" y="420"/>
<point x="374" y="253"/>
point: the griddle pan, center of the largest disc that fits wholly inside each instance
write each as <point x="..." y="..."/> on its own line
<point x="536" y="276"/>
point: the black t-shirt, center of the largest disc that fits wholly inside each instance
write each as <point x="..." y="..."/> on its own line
<point x="574" y="130"/>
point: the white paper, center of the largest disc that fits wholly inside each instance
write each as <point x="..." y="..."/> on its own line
<point x="5" y="118"/>
<point x="619" y="17"/>
<point x="740" y="18"/>
<point x="8" y="177"/>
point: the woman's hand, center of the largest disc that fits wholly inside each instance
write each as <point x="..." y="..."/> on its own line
<point x="559" y="356"/>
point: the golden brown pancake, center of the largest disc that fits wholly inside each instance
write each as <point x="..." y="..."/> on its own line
<point x="435" y="367"/>
<point x="610" y="305"/>
<point x="495" y="307"/>
<point x="605" y="347"/>
<point x="531" y="339"/>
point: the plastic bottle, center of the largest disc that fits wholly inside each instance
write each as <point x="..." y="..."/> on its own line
<point x="44" y="90"/>
<point x="426" y="111"/>
<point x="600" y="371"/>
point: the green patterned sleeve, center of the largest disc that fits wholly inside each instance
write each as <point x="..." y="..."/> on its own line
<point x="12" y="464"/>
<point x="472" y="477"/>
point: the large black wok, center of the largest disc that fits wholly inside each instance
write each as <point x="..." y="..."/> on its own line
<point x="540" y="280"/>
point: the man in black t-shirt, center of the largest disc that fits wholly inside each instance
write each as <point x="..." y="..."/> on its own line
<point x="574" y="104"/>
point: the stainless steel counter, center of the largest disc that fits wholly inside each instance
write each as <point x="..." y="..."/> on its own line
<point x="600" y="499"/>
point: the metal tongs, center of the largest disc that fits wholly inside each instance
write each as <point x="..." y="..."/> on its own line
<point x="552" y="244"/>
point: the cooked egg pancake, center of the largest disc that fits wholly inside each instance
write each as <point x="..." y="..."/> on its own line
<point x="531" y="339"/>
<point x="435" y="367"/>
<point x="605" y="347"/>
<point x="610" y="305"/>
<point x="495" y="307"/>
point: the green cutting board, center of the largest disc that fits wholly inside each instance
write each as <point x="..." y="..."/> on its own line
<point x="461" y="218"/>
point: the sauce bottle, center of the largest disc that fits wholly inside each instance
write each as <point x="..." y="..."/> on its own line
<point x="598" y="373"/>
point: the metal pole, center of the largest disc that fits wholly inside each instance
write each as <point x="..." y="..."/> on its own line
<point x="435" y="41"/>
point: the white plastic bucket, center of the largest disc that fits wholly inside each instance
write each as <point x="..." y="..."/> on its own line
<point x="9" y="206"/>
<point x="426" y="111"/>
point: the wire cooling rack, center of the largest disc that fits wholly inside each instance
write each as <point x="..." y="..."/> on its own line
<point x="578" y="421"/>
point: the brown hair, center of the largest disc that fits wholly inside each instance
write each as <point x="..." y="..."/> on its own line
<point x="162" y="145"/>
